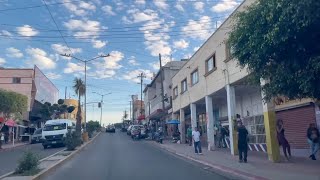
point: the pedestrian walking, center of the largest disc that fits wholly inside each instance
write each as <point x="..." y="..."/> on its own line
<point x="1" y="140"/>
<point x="189" y="135"/>
<point x="282" y="139"/>
<point x="313" y="140"/>
<point x="222" y="136"/>
<point x="242" y="142"/>
<point x="215" y="133"/>
<point x="196" y="140"/>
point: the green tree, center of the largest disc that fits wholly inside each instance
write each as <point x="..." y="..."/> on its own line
<point x="278" y="40"/>
<point x="12" y="104"/>
<point x="80" y="89"/>
<point x="92" y="126"/>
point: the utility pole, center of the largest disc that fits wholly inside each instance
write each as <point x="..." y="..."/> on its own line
<point x="161" y="76"/>
<point x="130" y="110"/>
<point x="65" y="93"/>
<point x="101" y="104"/>
<point x="85" y="81"/>
<point x="141" y="76"/>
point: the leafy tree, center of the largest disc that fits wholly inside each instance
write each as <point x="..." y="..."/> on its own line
<point x="80" y="89"/>
<point x="278" y="40"/>
<point x="92" y="126"/>
<point x="125" y="115"/>
<point x="60" y="101"/>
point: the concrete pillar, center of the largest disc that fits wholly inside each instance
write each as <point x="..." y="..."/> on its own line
<point x="269" y="116"/>
<point x="231" y="102"/>
<point x="182" y="127"/>
<point x="210" y="124"/>
<point x="193" y="109"/>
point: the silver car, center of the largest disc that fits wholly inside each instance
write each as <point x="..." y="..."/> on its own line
<point x="37" y="136"/>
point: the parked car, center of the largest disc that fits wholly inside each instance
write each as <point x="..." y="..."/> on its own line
<point x="37" y="136"/>
<point x="55" y="130"/>
<point x="111" y="129"/>
<point x="129" y="130"/>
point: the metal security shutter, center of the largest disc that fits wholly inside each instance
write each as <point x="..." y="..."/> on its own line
<point x="296" y="122"/>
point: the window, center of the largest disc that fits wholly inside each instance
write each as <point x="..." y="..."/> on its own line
<point x="211" y="63"/>
<point x="16" y="80"/>
<point x="229" y="52"/>
<point x="194" y="77"/>
<point x="184" y="85"/>
<point x="175" y="92"/>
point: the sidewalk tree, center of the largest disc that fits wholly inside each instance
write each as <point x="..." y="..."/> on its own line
<point x="79" y="88"/>
<point x="278" y="40"/>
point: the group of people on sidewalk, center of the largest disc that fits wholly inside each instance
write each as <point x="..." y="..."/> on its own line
<point x="313" y="138"/>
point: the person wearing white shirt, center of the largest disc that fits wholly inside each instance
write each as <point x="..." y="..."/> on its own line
<point x="196" y="140"/>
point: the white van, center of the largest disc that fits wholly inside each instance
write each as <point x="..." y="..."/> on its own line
<point x="55" y="130"/>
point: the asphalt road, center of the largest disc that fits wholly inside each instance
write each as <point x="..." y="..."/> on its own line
<point x="10" y="158"/>
<point x="117" y="157"/>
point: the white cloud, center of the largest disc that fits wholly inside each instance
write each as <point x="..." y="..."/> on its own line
<point x="85" y="28"/>
<point x="133" y="75"/>
<point x="111" y="62"/>
<point x="132" y="61"/>
<point x="98" y="43"/>
<point x="2" y="61"/>
<point x="161" y="4"/>
<point x="200" y="29"/>
<point x="73" y="67"/>
<point x="80" y="8"/>
<point x="27" y="30"/>
<point x="5" y="33"/>
<point x="156" y="65"/>
<point x="108" y="10"/>
<point x="102" y="74"/>
<point x="14" y="53"/>
<point x="225" y="5"/>
<point x="140" y="2"/>
<point x="52" y="75"/>
<point x="136" y="16"/>
<point x="199" y="6"/>
<point x="187" y="56"/>
<point x="179" y="7"/>
<point x="196" y="48"/>
<point x="61" y="49"/>
<point x="181" y="44"/>
<point x="40" y="58"/>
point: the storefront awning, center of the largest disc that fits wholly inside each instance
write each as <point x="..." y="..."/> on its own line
<point x="11" y="123"/>
<point x="173" y="121"/>
<point x="1" y="119"/>
<point x="156" y="115"/>
<point x="141" y="117"/>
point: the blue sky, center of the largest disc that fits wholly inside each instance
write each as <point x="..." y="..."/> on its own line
<point x="133" y="32"/>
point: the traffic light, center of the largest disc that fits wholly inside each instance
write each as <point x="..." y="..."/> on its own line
<point x="99" y="105"/>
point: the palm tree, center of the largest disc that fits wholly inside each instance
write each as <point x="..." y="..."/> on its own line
<point x="80" y="89"/>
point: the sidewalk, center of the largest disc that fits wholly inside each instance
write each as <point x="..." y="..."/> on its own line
<point x="258" y="166"/>
<point x="9" y="146"/>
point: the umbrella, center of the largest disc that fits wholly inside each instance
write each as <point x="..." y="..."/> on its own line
<point x="11" y="123"/>
<point x="173" y="121"/>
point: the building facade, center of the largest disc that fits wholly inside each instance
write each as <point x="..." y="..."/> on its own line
<point x="158" y="108"/>
<point x="31" y="83"/>
<point x="211" y="90"/>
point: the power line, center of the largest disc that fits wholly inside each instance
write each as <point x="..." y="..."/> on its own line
<point x="44" y="1"/>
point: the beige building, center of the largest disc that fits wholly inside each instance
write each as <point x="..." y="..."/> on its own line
<point x="31" y="83"/>
<point x="74" y="103"/>
<point x="211" y="89"/>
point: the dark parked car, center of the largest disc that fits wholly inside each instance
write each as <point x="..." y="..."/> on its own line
<point x="111" y="129"/>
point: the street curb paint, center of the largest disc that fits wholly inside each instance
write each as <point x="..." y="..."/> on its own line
<point x="43" y="159"/>
<point x="46" y="171"/>
<point x="221" y="169"/>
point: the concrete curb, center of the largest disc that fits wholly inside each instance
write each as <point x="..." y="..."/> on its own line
<point x="46" y="171"/>
<point x="223" y="170"/>
<point x="10" y="173"/>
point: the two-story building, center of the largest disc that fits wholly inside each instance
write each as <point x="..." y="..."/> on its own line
<point x="211" y="90"/>
<point x="159" y="106"/>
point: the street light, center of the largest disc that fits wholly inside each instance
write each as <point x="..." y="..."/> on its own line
<point x="101" y="104"/>
<point x="85" y="81"/>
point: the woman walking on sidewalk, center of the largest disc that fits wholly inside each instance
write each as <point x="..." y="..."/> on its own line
<point x="313" y="140"/>
<point x="242" y="142"/>
<point x="282" y="139"/>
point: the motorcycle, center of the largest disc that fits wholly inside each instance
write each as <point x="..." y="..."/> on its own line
<point x="159" y="136"/>
<point x="135" y="134"/>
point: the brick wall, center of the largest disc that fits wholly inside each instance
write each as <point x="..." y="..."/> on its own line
<point x="296" y="122"/>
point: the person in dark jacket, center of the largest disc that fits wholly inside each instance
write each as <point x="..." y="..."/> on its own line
<point x="313" y="140"/>
<point x="282" y="139"/>
<point x="242" y="142"/>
